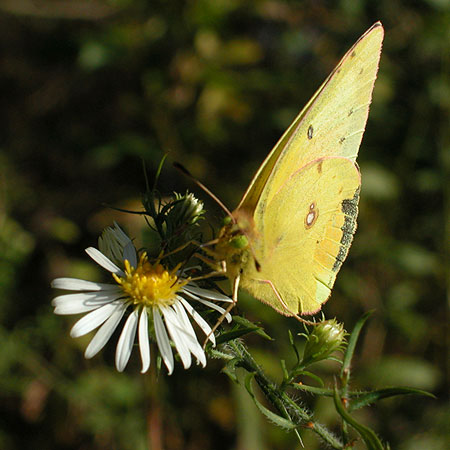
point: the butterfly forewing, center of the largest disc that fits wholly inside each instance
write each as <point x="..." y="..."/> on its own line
<point x="331" y="124"/>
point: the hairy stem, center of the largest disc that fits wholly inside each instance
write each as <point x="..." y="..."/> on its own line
<point x="285" y="405"/>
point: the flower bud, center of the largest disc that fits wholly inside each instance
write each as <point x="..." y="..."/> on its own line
<point x="324" y="339"/>
<point x="186" y="209"/>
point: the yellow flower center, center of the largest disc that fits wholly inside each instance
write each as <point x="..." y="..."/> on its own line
<point x="150" y="284"/>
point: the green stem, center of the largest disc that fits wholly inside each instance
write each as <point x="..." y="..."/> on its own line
<point x="346" y="368"/>
<point x="286" y="406"/>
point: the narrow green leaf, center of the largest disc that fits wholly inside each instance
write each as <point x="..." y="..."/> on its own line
<point x="353" y="340"/>
<point x="314" y="390"/>
<point x="275" y="418"/>
<point x="291" y="341"/>
<point x="291" y="337"/>
<point x="233" y="334"/>
<point x="256" y="328"/>
<point x="284" y="369"/>
<point x="230" y="369"/>
<point x="367" y="435"/>
<point x="296" y="373"/>
<point x="158" y="172"/>
<point x="366" y="398"/>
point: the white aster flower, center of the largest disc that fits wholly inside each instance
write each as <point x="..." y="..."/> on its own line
<point x="154" y="296"/>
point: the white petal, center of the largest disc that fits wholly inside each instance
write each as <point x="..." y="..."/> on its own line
<point x="84" y="302"/>
<point x="86" y="298"/>
<point x="94" y="319"/>
<point x="206" y="293"/>
<point x="111" y="244"/>
<point x="103" y="261"/>
<point x="144" y="344"/>
<point x="163" y="340"/>
<point x="192" y="341"/>
<point x="179" y="335"/>
<point x="129" y="253"/>
<point x="217" y="308"/>
<point x="199" y="320"/>
<point x="126" y="341"/>
<point x="183" y="321"/>
<point x="121" y="235"/>
<point x="74" y="284"/>
<point x="105" y="332"/>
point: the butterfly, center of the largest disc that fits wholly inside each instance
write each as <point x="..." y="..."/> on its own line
<point x="291" y="232"/>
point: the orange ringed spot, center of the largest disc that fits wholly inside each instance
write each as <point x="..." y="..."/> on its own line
<point x="311" y="216"/>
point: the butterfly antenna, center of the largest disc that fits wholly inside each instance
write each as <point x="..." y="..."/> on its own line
<point x="186" y="172"/>
<point x="202" y="186"/>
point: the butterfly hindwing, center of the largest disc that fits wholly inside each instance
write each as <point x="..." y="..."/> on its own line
<point x="308" y="228"/>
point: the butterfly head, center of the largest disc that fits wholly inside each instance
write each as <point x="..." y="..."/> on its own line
<point x="232" y="234"/>
<point x="236" y="242"/>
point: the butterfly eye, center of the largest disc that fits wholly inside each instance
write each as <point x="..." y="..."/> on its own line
<point x="239" y="242"/>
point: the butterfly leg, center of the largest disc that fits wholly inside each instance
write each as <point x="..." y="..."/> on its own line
<point x="219" y="268"/>
<point x="203" y="246"/>
<point x="283" y="303"/>
<point x="227" y="311"/>
<point x="178" y="249"/>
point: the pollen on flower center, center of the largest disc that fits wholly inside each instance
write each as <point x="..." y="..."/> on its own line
<point x="149" y="284"/>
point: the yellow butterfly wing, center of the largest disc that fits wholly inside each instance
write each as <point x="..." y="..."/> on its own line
<point x="309" y="226"/>
<point x="331" y="124"/>
<point x="312" y="166"/>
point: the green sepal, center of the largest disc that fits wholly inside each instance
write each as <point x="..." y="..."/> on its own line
<point x="367" y="435"/>
<point x="366" y="398"/>
<point x="275" y="418"/>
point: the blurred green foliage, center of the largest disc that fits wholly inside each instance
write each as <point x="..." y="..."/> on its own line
<point x="90" y="88"/>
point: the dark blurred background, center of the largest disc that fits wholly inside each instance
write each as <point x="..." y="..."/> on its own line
<point x="89" y="89"/>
